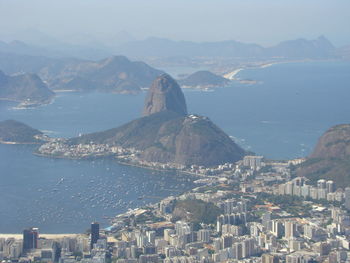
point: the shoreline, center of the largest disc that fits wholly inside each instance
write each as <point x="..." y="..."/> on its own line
<point x="160" y="169"/>
<point x="122" y="163"/>
<point x="232" y="75"/>
<point x="23" y="105"/>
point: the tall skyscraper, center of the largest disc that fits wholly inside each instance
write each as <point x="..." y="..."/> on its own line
<point x="95" y="234"/>
<point x="30" y="238"/>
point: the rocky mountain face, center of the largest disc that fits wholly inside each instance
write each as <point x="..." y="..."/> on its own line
<point x="17" y="132"/>
<point x="192" y="140"/>
<point x="331" y="157"/>
<point x="166" y="134"/>
<point x="25" y="88"/>
<point x="204" y="79"/>
<point x="165" y="94"/>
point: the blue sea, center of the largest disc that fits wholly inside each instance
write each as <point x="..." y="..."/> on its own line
<point x="280" y="117"/>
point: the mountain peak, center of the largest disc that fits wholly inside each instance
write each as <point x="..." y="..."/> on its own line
<point x="165" y="95"/>
<point x="115" y="60"/>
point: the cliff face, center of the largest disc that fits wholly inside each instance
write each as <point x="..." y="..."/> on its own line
<point x="26" y="88"/>
<point x="331" y="157"/>
<point x="165" y="94"/>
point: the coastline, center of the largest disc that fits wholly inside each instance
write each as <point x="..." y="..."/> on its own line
<point x="24" y="105"/>
<point x="160" y="169"/>
<point x="121" y="162"/>
<point x="232" y="75"/>
<point x="18" y="143"/>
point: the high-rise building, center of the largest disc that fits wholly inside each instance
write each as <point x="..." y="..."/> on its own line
<point x="321" y="184"/>
<point x="151" y="236"/>
<point x="330" y="186"/>
<point x="266" y="220"/>
<point x="347" y="198"/>
<point x="95" y="234"/>
<point x="254" y="162"/>
<point x="30" y="238"/>
<point x="269" y="258"/>
<point x="204" y="235"/>
<point x="289" y="229"/>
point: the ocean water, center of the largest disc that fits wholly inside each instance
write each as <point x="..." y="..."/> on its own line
<point x="65" y="196"/>
<point x="281" y="117"/>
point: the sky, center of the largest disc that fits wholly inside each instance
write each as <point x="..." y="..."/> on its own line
<point x="265" y="22"/>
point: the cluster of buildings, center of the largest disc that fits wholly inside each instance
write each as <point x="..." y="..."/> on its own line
<point x="247" y="226"/>
<point x="323" y="190"/>
<point x="60" y="148"/>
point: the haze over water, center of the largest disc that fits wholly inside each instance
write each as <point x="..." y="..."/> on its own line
<point x="280" y="118"/>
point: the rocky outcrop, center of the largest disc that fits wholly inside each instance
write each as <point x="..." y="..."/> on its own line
<point x="331" y="157"/>
<point x="165" y="95"/>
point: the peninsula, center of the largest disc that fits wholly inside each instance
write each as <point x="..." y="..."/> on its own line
<point x="166" y="137"/>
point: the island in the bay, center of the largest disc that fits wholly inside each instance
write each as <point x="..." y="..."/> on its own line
<point x="203" y="80"/>
<point x="166" y="137"/>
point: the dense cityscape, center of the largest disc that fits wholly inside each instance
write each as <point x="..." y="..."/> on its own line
<point x="254" y="212"/>
<point x="174" y="131"/>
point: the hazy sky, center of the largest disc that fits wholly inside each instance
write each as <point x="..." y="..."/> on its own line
<point x="261" y="21"/>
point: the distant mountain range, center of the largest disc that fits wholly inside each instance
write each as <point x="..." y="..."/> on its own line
<point x="120" y="75"/>
<point x="319" y="48"/>
<point x="114" y="74"/>
<point x="293" y="49"/>
<point x="54" y="50"/>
